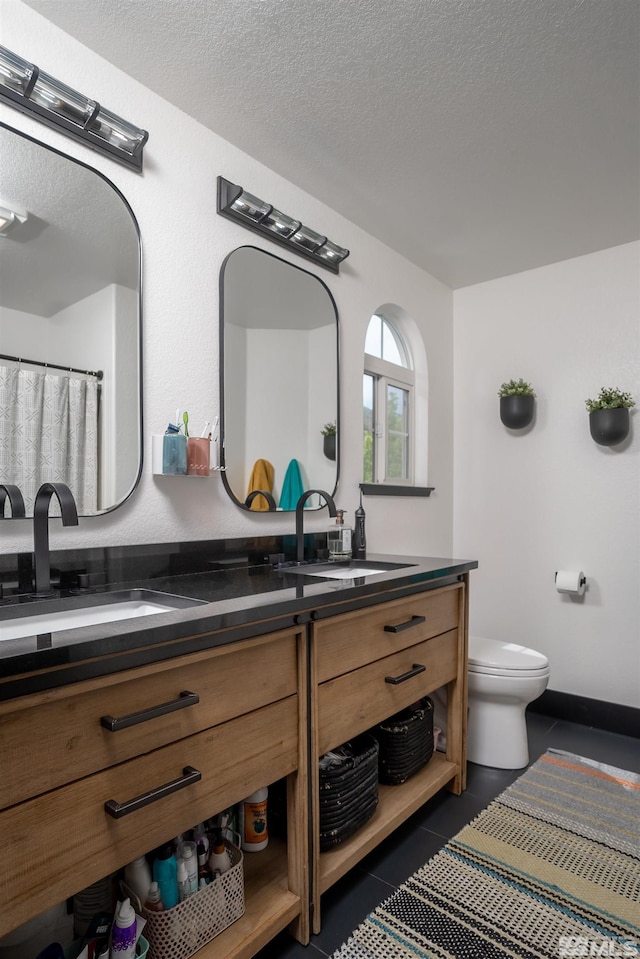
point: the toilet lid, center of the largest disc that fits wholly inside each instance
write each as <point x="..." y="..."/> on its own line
<point x="504" y="656"/>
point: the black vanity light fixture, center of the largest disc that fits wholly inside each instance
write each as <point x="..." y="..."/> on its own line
<point x="27" y="88"/>
<point x="237" y="204"/>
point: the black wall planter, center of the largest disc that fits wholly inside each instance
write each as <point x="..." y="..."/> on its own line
<point x="330" y="447"/>
<point x="516" y="411"/>
<point x="609" y="427"/>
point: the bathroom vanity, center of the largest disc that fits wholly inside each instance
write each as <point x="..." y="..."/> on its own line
<point x="368" y="665"/>
<point x="195" y="708"/>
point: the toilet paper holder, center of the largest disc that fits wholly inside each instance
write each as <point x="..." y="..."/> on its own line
<point x="569" y="581"/>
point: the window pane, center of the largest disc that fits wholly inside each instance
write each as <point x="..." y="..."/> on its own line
<point x="368" y="441"/>
<point x="390" y="351"/>
<point x="373" y="342"/>
<point x="397" y="433"/>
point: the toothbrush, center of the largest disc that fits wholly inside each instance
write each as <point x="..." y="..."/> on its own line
<point x="214" y="429"/>
<point x="185" y="420"/>
<point x="204" y="431"/>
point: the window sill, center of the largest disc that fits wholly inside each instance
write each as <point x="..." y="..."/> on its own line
<point x="385" y="489"/>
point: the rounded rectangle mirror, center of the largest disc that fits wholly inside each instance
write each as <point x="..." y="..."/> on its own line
<point x="70" y="328"/>
<point x="278" y="381"/>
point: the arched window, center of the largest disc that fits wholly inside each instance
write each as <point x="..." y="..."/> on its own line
<point x="388" y="404"/>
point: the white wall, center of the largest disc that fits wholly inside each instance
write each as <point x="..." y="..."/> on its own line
<point x="83" y="335"/>
<point x="182" y="256"/>
<point x="527" y="504"/>
<point x="289" y="393"/>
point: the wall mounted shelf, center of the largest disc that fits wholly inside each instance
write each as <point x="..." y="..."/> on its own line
<point x="385" y="489"/>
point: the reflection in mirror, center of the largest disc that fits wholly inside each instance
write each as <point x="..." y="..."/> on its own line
<point x="70" y="406"/>
<point x="279" y="379"/>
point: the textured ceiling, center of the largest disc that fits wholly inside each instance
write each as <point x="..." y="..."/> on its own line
<point x="58" y="257"/>
<point x="476" y="137"/>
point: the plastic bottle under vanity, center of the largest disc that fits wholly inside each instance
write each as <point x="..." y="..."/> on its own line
<point x="200" y="835"/>
<point x="165" y="870"/>
<point x="137" y="876"/>
<point x="204" y="870"/>
<point x="153" y="902"/>
<point x="339" y="539"/>
<point x="253" y="821"/>
<point x="184" y="883"/>
<point x="219" y="861"/>
<point x="124" y="932"/>
<point x="188" y="853"/>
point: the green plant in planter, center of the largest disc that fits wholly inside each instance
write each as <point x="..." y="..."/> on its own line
<point x="609" y="416"/>
<point x="516" y="404"/>
<point x="329" y="442"/>
<point x="516" y="388"/>
<point x="610" y="398"/>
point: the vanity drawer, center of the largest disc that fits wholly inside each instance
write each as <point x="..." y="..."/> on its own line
<point x="53" y="738"/>
<point x="82" y="842"/>
<point x="354" y="702"/>
<point x="357" y="638"/>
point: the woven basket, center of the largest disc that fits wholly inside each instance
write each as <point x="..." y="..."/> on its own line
<point x="406" y="742"/>
<point x="179" y="932"/>
<point x="348" y="789"/>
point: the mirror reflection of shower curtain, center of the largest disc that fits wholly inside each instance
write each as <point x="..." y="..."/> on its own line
<point x="49" y="434"/>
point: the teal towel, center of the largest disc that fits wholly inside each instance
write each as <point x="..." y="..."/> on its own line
<point x="292" y="488"/>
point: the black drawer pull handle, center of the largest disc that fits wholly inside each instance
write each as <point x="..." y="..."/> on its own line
<point x="414" y="621"/>
<point x="113" y="723"/>
<point x="395" y="680"/>
<point x="118" y="810"/>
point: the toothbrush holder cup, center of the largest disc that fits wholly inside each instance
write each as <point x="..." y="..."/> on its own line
<point x="198" y="456"/>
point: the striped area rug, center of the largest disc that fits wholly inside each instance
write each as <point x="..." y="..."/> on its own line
<point x="550" y="869"/>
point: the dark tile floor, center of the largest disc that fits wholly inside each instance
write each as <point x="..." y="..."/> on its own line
<point x="377" y="876"/>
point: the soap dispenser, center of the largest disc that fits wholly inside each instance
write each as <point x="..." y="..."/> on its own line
<point x="359" y="538"/>
<point x="339" y="539"/>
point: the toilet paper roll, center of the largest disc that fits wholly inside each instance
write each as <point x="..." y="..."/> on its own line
<point x="570" y="581"/>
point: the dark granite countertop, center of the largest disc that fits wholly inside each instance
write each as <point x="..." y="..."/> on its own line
<point x="240" y="601"/>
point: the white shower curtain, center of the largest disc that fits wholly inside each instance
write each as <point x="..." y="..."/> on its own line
<point x="49" y="434"/>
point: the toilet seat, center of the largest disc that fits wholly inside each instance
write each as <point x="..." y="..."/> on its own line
<point x="491" y="657"/>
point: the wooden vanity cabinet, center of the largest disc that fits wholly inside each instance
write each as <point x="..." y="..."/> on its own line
<point x="240" y="716"/>
<point x="353" y="656"/>
<point x="61" y="763"/>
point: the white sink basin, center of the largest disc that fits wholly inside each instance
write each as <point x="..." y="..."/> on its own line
<point x="349" y="572"/>
<point x="352" y="569"/>
<point x="55" y="620"/>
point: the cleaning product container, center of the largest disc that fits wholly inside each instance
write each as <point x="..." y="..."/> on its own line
<point x="179" y="932"/>
<point x="123" y="932"/>
<point x="142" y="949"/>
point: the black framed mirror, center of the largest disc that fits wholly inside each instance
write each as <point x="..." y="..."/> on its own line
<point x="279" y="361"/>
<point x="70" y="329"/>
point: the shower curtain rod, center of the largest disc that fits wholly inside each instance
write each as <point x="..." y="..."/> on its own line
<point x="53" y="366"/>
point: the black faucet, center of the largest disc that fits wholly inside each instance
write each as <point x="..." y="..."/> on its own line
<point x="261" y="492"/>
<point x="300" y="510"/>
<point x="13" y="494"/>
<point x="69" y="515"/>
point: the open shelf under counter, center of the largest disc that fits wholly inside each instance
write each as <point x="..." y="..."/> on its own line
<point x="395" y="804"/>
<point x="270" y="906"/>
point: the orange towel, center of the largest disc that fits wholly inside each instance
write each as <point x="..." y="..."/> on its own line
<point x="261" y="478"/>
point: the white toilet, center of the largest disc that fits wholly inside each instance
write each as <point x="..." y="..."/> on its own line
<point x="503" y="679"/>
